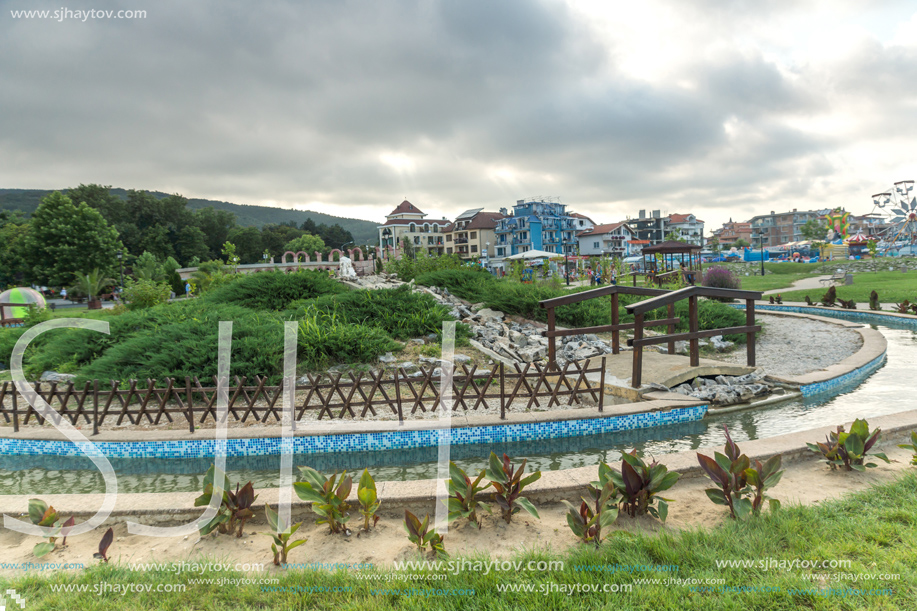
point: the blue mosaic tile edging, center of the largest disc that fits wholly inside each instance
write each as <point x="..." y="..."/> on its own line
<point x="359" y="442"/>
<point x="857" y="374"/>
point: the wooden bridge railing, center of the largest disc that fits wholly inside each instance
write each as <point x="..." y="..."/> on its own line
<point x="690" y="293"/>
<point x="9" y="322"/>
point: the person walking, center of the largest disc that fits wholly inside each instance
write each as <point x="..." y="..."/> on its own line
<point x="63" y="293"/>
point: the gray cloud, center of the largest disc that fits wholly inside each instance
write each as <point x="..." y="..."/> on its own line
<point x="295" y="102"/>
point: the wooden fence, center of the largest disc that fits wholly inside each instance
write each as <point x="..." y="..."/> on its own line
<point x="351" y="395"/>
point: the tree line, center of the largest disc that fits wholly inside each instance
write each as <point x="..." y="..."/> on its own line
<point x="82" y="229"/>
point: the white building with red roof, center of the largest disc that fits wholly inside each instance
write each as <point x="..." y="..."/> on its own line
<point x="612" y="240"/>
<point x="407" y="221"/>
<point x="687" y="227"/>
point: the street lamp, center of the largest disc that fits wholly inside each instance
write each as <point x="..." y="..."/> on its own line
<point x="566" y="261"/>
<point x="487" y="255"/>
<point x="761" y="246"/>
<point x="121" y="265"/>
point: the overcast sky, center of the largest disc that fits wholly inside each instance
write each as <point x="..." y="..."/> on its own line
<point x="723" y="109"/>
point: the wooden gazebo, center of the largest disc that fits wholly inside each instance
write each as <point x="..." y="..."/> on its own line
<point x="674" y="254"/>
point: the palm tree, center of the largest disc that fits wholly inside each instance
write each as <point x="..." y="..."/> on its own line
<point x="91" y="284"/>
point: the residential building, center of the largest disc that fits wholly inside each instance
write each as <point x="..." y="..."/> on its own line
<point x="780" y="228"/>
<point x="607" y="240"/>
<point x="581" y="222"/>
<point x="731" y="232"/>
<point x="407" y="221"/>
<point x="687" y="227"/>
<point x="536" y="225"/>
<point x="471" y="235"/>
<point x="651" y="228"/>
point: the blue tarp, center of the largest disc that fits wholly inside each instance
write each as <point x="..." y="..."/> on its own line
<point x="755" y="255"/>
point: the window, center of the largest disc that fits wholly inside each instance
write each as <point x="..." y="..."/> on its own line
<point x="430" y="240"/>
<point x="474" y="234"/>
<point x="435" y="228"/>
<point x="426" y="228"/>
<point x="500" y="252"/>
<point x="595" y="244"/>
<point x="448" y="237"/>
<point x="448" y="251"/>
<point x="412" y="228"/>
<point x="417" y="240"/>
<point x="474" y="248"/>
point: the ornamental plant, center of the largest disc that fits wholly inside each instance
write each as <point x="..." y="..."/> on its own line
<point x="41" y="514"/>
<point x="830" y="297"/>
<point x="849" y="450"/>
<point x="874" y="301"/>
<point x="509" y="484"/>
<point x="596" y="513"/>
<point x="369" y="499"/>
<point x="463" y="494"/>
<point x="741" y="486"/>
<point x="281" y="535"/>
<point x="911" y="446"/>
<point x="639" y="485"/>
<point x="234" y="506"/>
<point x="420" y="534"/>
<point x="721" y="278"/>
<point x="328" y="501"/>
<point x="104" y="544"/>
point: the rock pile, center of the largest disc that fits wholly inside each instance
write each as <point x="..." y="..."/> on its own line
<point x="727" y="390"/>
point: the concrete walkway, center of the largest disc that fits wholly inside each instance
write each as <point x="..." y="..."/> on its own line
<point x="803" y="285"/>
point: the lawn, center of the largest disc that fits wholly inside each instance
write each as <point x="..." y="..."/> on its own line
<point x="771" y="281"/>
<point x="876" y="530"/>
<point x="891" y="287"/>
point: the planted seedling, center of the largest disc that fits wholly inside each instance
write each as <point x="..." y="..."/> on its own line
<point x="849" y="450"/>
<point x="369" y="499"/>
<point x="509" y="484"/>
<point x="639" y="485"/>
<point x="911" y="446"/>
<point x="104" y="544"/>
<point x="829" y="297"/>
<point x="597" y="513"/>
<point x="903" y="307"/>
<point x="281" y="536"/>
<point x="420" y="534"/>
<point x="41" y="514"/>
<point x="463" y="494"/>
<point x="742" y="487"/>
<point x="234" y="506"/>
<point x="874" y="301"/>
<point x="328" y="501"/>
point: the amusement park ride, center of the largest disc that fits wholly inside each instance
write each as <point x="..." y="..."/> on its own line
<point x="900" y="204"/>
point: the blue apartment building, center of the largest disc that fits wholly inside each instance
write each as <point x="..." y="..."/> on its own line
<point x="536" y="225"/>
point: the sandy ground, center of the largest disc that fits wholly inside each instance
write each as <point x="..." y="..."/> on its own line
<point x="806" y="482"/>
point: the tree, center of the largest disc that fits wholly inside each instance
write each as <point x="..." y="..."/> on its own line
<point x="229" y="251"/>
<point x="674" y="236"/>
<point x="13" y="231"/>
<point x="66" y="240"/>
<point x="741" y="243"/>
<point x="248" y="243"/>
<point x="307" y="243"/>
<point x="714" y="244"/>
<point x="147" y="267"/>
<point x="191" y="243"/>
<point x="275" y="237"/>
<point x="215" y="225"/>
<point x="813" y="230"/>
<point x="91" y="284"/>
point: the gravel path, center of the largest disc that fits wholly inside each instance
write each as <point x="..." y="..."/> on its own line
<point x="794" y="346"/>
<point x="802" y="285"/>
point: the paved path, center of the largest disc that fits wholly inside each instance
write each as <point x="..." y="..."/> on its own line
<point x="802" y="285"/>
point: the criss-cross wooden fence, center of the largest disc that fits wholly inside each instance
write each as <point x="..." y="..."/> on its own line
<point x="353" y="395"/>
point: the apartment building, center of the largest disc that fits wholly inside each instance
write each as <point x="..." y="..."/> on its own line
<point x="407" y="221"/>
<point x="471" y="235"/>
<point x="614" y="239"/>
<point x="536" y="225"/>
<point x="779" y="228"/>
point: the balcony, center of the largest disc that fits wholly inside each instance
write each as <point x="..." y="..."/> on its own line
<point x="461" y="240"/>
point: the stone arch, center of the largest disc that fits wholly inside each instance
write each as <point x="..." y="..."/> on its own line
<point x="318" y="257"/>
<point x="331" y="254"/>
<point x="350" y="252"/>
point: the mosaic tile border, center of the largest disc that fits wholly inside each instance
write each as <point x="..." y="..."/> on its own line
<point x="360" y="442"/>
<point x="857" y="374"/>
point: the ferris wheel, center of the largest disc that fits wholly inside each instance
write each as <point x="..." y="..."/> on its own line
<point x="901" y="206"/>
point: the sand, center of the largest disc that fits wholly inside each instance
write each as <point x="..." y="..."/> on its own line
<point x="805" y="482"/>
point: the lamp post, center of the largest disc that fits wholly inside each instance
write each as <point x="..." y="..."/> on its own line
<point x="487" y="255"/>
<point x="761" y="245"/>
<point x="121" y="265"/>
<point x="566" y="261"/>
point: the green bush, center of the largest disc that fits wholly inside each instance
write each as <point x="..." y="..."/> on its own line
<point x="325" y="337"/>
<point x="410" y="267"/>
<point x="145" y="294"/>
<point x="274" y="290"/>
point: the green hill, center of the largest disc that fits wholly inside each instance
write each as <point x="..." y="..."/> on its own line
<point x="364" y="232"/>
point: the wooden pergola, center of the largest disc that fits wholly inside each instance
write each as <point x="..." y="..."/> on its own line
<point x="689" y="255"/>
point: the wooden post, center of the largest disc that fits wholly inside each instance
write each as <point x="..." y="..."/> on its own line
<point x="398" y="396"/>
<point x="15" y="408"/>
<point x="615" y="320"/>
<point x="637" y="373"/>
<point x="503" y="388"/>
<point x="693" y="324"/>
<point x="671" y="328"/>
<point x="750" y="337"/>
<point x="188" y="403"/>
<point x="602" y="387"/>
<point x="95" y="407"/>
<point x="551" y="347"/>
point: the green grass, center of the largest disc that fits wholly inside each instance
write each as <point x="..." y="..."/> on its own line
<point x="891" y="287"/>
<point x="875" y="529"/>
<point x="769" y="282"/>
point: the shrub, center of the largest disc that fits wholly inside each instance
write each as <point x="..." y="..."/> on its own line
<point x="463" y="494"/>
<point x="233" y="505"/>
<point x="720" y="278"/>
<point x="281" y="535"/>
<point x="324" y="337"/>
<point x="274" y="290"/>
<point x="145" y="294"/>
<point x="410" y="267"/>
<point x="849" y="450"/>
<point x="509" y="485"/>
<point x="874" y="301"/>
<point x="596" y="513"/>
<point x="328" y="501"/>
<point x="737" y="480"/>
<point x="829" y="297"/>
<point x="639" y="485"/>
<point x="419" y="533"/>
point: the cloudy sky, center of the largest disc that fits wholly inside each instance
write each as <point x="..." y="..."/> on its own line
<point x="724" y="109"/>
